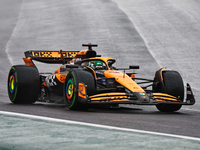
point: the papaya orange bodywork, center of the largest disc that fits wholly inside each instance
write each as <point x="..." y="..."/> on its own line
<point x="109" y="94"/>
<point x="83" y="52"/>
<point x="82" y="91"/>
<point x="61" y="77"/>
<point x="109" y="97"/>
<point x="164" y="97"/>
<point x="28" y="61"/>
<point x="124" y="80"/>
<point x="120" y="77"/>
<point x="161" y="73"/>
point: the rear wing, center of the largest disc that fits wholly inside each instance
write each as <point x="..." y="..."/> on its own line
<point x="55" y="57"/>
<point x="58" y="57"/>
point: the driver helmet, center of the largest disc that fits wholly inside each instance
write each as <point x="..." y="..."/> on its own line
<point x="96" y="64"/>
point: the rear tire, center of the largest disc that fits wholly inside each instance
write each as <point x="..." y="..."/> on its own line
<point x="23" y="84"/>
<point x="74" y="77"/>
<point x="172" y="85"/>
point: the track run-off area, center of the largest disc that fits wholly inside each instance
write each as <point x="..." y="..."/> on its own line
<point x="152" y="34"/>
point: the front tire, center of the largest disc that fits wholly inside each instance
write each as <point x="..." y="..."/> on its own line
<point x="173" y="85"/>
<point x="74" y="77"/>
<point x="23" y="84"/>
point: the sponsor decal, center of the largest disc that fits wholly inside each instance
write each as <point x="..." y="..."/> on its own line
<point x="70" y="54"/>
<point x="53" y="54"/>
<point x="42" y="54"/>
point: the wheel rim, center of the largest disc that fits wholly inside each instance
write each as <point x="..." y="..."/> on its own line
<point x="69" y="89"/>
<point x="12" y="84"/>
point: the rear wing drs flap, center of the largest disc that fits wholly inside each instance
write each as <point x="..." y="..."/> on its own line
<point x="55" y="57"/>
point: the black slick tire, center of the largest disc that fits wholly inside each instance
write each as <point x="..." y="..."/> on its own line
<point x="23" y="84"/>
<point x="74" y="77"/>
<point x="172" y="85"/>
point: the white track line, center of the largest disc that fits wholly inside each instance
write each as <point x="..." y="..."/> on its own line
<point x="97" y="125"/>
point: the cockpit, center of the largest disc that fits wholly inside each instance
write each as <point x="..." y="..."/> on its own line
<point x="103" y="63"/>
<point x="95" y="64"/>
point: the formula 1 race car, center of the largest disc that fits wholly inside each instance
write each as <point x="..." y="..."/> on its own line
<point x="86" y="79"/>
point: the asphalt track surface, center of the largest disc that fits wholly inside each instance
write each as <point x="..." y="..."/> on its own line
<point x="152" y="34"/>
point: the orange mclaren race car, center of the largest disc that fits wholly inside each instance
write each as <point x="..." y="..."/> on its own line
<point x="86" y="79"/>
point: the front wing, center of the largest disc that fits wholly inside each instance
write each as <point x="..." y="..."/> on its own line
<point x="133" y="98"/>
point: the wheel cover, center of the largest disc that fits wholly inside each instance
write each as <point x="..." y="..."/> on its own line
<point x="69" y="89"/>
<point x="12" y="84"/>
